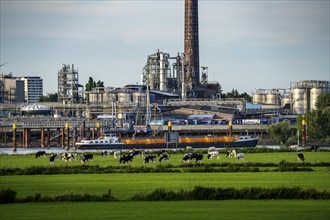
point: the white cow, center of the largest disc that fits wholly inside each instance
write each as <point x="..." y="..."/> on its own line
<point x="116" y="154"/>
<point x="212" y="154"/>
<point x="240" y="156"/>
<point x="231" y="154"/>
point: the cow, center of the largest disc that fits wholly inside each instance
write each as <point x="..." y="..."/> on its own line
<point x="161" y="152"/>
<point x="240" y="156"/>
<point x="68" y="157"/>
<point x="211" y="149"/>
<point x="315" y="148"/>
<point x="85" y="157"/>
<point x="135" y="153"/>
<point x="212" y="154"/>
<point x="186" y="158"/>
<point x="231" y="154"/>
<point x="116" y="154"/>
<point x="52" y="158"/>
<point x="197" y="156"/>
<point x="150" y="157"/>
<point x="164" y="156"/>
<point x="300" y="157"/>
<point x="125" y="158"/>
<point x="40" y="153"/>
<point x="105" y="153"/>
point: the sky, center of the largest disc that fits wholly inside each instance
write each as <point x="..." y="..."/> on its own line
<point x="246" y="45"/>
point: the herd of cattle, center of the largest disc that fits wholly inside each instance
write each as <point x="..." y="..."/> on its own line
<point x="162" y="155"/>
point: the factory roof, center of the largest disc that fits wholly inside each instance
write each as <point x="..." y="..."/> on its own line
<point x="35" y="107"/>
<point x="201" y="116"/>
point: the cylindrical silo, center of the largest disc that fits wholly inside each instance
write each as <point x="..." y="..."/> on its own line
<point x="120" y="119"/>
<point x="285" y="100"/>
<point x="273" y="98"/>
<point x="139" y="97"/>
<point x="109" y="97"/>
<point x="259" y="98"/>
<point x="300" y="100"/>
<point x="124" y="97"/>
<point x="314" y="93"/>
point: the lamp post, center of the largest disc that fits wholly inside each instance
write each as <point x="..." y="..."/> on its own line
<point x="304" y="133"/>
<point x="14" y="137"/>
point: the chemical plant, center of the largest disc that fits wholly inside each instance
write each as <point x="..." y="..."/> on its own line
<point x="173" y="88"/>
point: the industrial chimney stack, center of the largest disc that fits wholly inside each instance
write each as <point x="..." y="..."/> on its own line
<point x="191" y="44"/>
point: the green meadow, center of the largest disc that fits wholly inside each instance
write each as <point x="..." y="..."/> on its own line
<point x="183" y="210"/>
<point x="21" y="161"/>
<point x="124" y="185"/>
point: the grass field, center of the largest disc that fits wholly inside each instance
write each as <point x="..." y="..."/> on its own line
<point x="192" y="210"/>
<point x="21" y="161"/>
<point x="125" y="185"/>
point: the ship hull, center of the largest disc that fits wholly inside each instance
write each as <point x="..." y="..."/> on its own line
<point x="150" y="146"/>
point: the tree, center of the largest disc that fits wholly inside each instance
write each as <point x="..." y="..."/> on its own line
<point x="235" y="94"/>
<point x="317" y="121"/>
<point x="50" y="97"/>
<point x="89" y="86"/>
<point x="280" y="131"/>
<point x="322" y="101"/>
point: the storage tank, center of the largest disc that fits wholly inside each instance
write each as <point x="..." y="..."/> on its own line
<point x="120" y="119"/>
<point x="285" y="100"/>
<point x="124" y="97"/>
<point x="314" y="93"/>
<point x="300" y="99"/>
<point x="139" y="97"/>
<point x="109" y="97"/>
<point x="259" y="98"/>
<point x="273" y="98"/>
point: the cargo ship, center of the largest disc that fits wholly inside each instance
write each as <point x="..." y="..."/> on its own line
<point x="112" y="142"/>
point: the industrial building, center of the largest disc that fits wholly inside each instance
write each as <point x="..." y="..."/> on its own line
<point x="177" y="85"/>
<point x="299" y="98"/>
<point x="68" y="85"/>
<point x="11" y="90"/>
<point x="33" y="88"/>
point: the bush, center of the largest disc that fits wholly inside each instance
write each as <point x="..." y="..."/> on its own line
<point x="254" y="193"/>
<point x="7" y="196"/>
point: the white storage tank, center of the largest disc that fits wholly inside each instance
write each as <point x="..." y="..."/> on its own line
<point x="273" y="98"/>
<point x="109" y="97"/>
<point x="314" y="93"/>
<point x="300" y="100"/>
<point x="139" y="97"/>
<point x="285" y="100"/>
<point x="124" y="97"/>
<point x="259" y="98"/>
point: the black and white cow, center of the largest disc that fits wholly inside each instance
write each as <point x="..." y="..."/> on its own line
<point x="151" y="158"/>
<point x="161" y="152"/>
<point x="136" y="153"/>
<point x="197" y="156"/>
<point x="85" y="157"/>
<point x="68" y="157"/>
<point x="186" y="158"/>
<point x="105" y="153"/>
<point x="125" y="158"/>
<point x="315" y="148"/>
<point x="212" y="154"/>
<point x="300" y="157"/>
<point x="164" y="156"/>
<point x="40" y="153"/>
<point x="231" y="154"/>
<point x="52" y="158"/>
<point x="240" y="156"/>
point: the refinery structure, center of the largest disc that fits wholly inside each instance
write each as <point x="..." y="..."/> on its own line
<point x="169" y="85"/>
